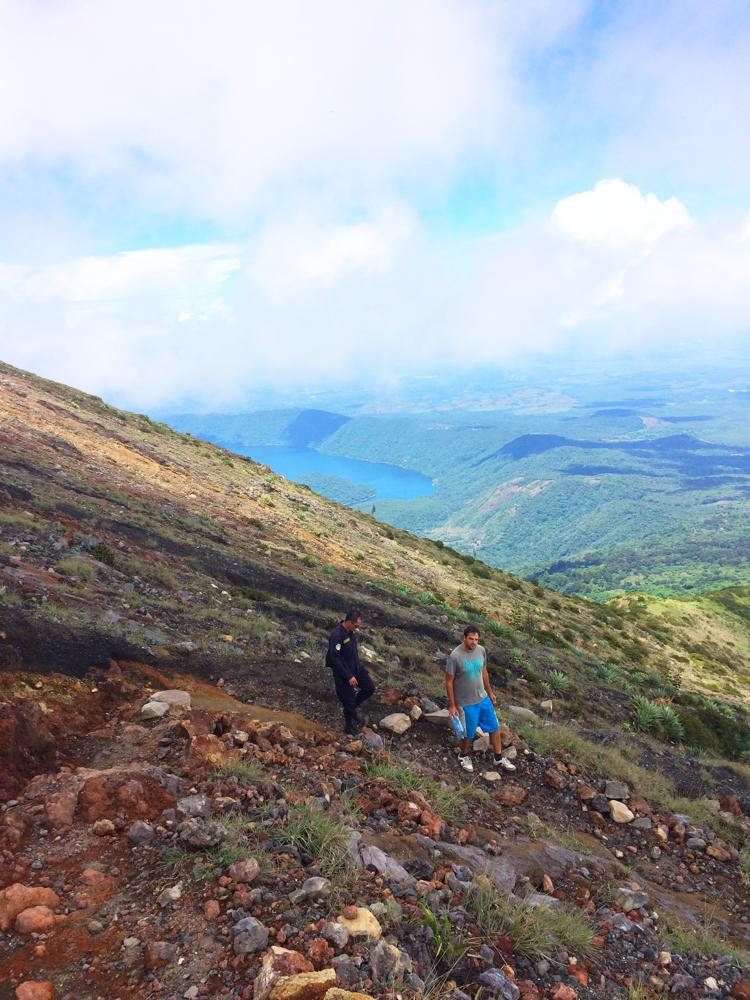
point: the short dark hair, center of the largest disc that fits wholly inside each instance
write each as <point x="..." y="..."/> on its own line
<point x="352" y="615"/>
<point x="471" y="630"/>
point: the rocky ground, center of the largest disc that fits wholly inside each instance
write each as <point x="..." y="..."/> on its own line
<point x="183" y="844"/>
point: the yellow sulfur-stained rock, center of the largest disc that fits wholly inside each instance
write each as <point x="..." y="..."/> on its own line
<point x="303" y="986"/>
<point x="361" y="923"/>
<point x="338" y="994"/>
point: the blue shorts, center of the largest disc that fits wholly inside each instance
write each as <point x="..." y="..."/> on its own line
<point x="482" y="714"/>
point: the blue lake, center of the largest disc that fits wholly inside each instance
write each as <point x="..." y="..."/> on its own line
<point x="390" y="481"/>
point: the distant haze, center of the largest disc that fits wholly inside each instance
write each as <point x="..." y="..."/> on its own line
<point x="200" y="203"/>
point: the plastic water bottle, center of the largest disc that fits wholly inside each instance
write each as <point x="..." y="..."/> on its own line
<point x="458" y="729"/>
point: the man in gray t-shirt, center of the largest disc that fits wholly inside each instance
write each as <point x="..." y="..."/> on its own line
<point x="471" y="698"/>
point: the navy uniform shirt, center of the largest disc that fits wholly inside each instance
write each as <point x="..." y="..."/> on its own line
<point x="343" y="656"/>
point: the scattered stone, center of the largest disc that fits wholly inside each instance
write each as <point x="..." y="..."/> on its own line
<point x="556" y="779"/>
<point x="511" y="795"/>
<point x="154" y="710"/>
<point x="35" y="920"/>
<point x="141" y="833"/>
<point x="397" y="722"/>
<point x="440" y="717"/>
<point x="35" y="990"/>
<point x="546" y="706"/>
<point x="104" y="828"/>
<point x="620" y="812"/>
<point x="17" y="897"/>
<point x="172" y="697"/>
<point x="563" y="992"/>
<point x="303" y="986"/>
<point x="200" y="833"/>
<point x="192" y="806"/>
<point x="492" y="776"/>
<point x="170" y="895"/>
<point x="244" y="871"/>
<point x="386" y="963"/>
<point x="617" y="790"/>
<point x="373" y="857"/>
<point x="361" y="923"/>
<point x="336" y="933"/>
<point x="372" y="743"/>
<point x="249" y="936"/>
<point x="316" y="887"/>
<point x="278" y="963"/>
<point x="415" y="712"/>
<point x="523" y="714"/>
<point x="499" y="984"/>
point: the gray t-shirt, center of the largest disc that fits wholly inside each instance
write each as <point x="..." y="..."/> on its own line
<point x="466" y="666"/>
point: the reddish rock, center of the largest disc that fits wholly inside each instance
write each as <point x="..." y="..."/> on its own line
<point x="17" y="898"/>
<point x="319" y="952"/>
<point x="506" y="737"/>
<point x="741" y="990"/>
<point x="585" y="792"/>
<point x="278" y="963"/>
<point x="408" y="811"/>
<point x="718" y="852"/>
<point x="511" y="795"/>
<point x="431" y="825"/>
<point x="418" y="799"/>
<point x="59" y="809"/>
<point x="390" y="696"/>
<point x="466" y="835"/>
<point x="555" y="779"/>
<point x="35" y="990"/>
<point x="639" y="805"/>
<point x="580" y="975"/>
<point x="26" y="744"/>
<point x="730" y="804"/>
<point x="527" y="989"/>
<point x="563" y="992"/>
<point x="211" y="909"/>
<point x="138" y="793"/>
<point x="159" y="953"/>
<point x="35" y="920"/>
<point x="244" y="871"/>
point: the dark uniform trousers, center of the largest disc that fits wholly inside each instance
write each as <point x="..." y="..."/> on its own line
<point x="352" y="697"/>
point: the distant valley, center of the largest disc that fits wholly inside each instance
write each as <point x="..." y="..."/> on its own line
<point x="589" y="487"/>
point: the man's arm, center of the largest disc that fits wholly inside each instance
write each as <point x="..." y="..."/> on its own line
<point x="340" y="666"/>
<point x="487" y="685"/>
<point x="452" y="707"/>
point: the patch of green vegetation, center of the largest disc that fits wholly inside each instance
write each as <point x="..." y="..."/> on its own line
<point x="707" y="940"/>
<point x="318" y="835"/>
<point x="202" y="866"/>
<point x="16" y="519"/>
<point x="247" y="771"/>
<point x="447" y="945"/>
<point x="537" y="931"/>
<point x="78" y="567"/>
<point x="558" y="681"/>
<point x="104" y="554"/>
<point x="448" y="802"/>
<point x="657" y="718"/>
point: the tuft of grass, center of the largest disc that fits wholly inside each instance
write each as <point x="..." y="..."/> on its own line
<point x="449" y="802"/>
<point x="82" y="569"/>
<point x="558" y="681"/>
<point x="537" y="931"/>
<point x="706" y="940"/>
<point x="247" y="771"/>
<point x="448" y="945"/>
<point x="319" y="835"/>
<point x="202" y="866"/>
<point x="565" y="839"/>
<point x="657" y="718"/>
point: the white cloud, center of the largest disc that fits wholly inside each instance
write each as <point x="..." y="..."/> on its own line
<point x="222" y="110"/>
<point x="615" y="213"/>
<point x="308" y="301"/>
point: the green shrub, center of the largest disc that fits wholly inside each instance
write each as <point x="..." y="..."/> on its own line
<point x="558" y="681"/>
<point x="319" y="835"/>
<point x="81" y="569"/>
<point x="537" y="931"/>
<point x="656" y="718"/>
<point x="104" y="554"/>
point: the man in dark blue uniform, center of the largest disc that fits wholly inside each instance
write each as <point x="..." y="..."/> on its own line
<point x="353" y="683"/>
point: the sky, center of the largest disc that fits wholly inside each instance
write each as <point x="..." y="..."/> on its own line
<point x="199" y="200"/>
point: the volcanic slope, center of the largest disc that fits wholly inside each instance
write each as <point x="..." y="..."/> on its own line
<point x="134" y="559"/>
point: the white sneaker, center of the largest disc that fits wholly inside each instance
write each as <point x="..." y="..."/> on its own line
<point x="466" y="763"/>
<point x="505" y="764"/>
